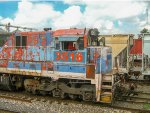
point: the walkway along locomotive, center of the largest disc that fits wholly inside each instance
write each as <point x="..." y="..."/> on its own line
<point x="62" y="63"/>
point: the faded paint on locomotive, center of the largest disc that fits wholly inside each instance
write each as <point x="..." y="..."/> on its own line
<point x="35" y="52"/>
<point x="66" y="53"/>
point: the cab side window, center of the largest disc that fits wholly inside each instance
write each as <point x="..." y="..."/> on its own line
<point x="21" y="41"/>
<point x="18" y="41"/>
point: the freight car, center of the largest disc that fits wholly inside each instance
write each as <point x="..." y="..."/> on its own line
<point x="131" y="57"/>
<point x="140" y="58"/>
<point x="62" y="63"/>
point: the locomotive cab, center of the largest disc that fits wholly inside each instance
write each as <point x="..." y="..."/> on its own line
<point x="78" y="53"/>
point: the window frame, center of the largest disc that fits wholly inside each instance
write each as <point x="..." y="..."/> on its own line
<point x="21" y="44"/>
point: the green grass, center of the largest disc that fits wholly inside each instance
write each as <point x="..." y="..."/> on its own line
<point x="146" y="106"/>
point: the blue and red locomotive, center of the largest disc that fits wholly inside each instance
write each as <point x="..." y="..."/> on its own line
<point x="65" y="62"/>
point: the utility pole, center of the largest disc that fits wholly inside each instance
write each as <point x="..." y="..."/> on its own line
<point x="147" y="23"/>
<point x="147" y="15"/>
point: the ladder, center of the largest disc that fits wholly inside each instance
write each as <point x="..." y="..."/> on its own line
<point x="107" y="81"/>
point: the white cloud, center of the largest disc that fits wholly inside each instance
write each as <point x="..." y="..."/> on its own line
<point x="109" y="25"/>
<point x="43" y="15"/>
<point x="115" y="9"/>
<point x="6" y="20"/>
<point x="102" y="14"/>
<point x="73" y="2"/>
<point x="70" y="18"/>
<point x="97" y="13"/>
<point x="33" y="15"/>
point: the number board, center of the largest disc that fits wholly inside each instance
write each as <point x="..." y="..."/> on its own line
<point x="69" y="56"/>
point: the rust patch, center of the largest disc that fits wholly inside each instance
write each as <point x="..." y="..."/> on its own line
<point x="90" y="71"/>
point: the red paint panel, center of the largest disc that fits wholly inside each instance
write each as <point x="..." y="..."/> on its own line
<point x="85" y="41"/>
<point x="3" y="63"/>
<point x="35" y="40"/>
<point x="43" y="66"/>
<point x="18" y="53"/>
<point x="137" y="47"/>
<point x="43" y="41"/>
<point x="31" y="33"/>
<point x="29" y="40"/>
<point x="68" y="32"/>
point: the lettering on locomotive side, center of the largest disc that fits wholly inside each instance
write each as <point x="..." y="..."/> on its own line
<point x="69" y="56"/>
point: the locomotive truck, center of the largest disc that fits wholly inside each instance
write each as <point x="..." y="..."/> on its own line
<point x="62" y="63"/>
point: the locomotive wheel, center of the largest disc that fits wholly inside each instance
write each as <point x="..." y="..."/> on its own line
<point x="28" y="89"/>
<point x="56" y="93"/>
<point x="87" y="96"/>
<point x="73" y="97"/>
<point x="34" y="91"/>
<point x="63" y="95"/>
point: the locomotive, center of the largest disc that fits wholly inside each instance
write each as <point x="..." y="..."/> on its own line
<point x="62" y="63"/>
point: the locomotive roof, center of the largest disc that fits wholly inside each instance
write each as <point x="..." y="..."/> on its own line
<point x="31" y="33"/>
<point x="66" y="32"/>
<point x="58" y="33"/>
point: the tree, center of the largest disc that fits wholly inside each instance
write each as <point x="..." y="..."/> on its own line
<point x="144" y="30"/>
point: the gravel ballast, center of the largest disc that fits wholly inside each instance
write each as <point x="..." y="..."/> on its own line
<point x="54" y="107"/>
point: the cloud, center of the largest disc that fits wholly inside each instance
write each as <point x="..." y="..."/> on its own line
<point x="71" y="17"/>
<point x="115" y="9"/>
<point x="129" y="15"/>
<point x="42" y="15"/>
<point x="74" y="2"/>
<point x="102" y="14"/>
<point x="33" y="15"/>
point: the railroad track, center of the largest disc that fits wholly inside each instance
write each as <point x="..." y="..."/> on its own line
<point x="140" y="102"/>
<point x="13" y="97"/>
<point x="28" y="98"/>
<point x="7" y="111"/>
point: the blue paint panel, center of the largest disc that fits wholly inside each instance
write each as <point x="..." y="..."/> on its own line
<point x="106" y="64"/>
<point x="25" y="65"/>
<point x="109" y="58"/>
<point x="49" y="39"/>
<point x="78" y="69"/>
<point x="43" y="38"/>
<point x="49" y="54"/>
<point x="68" y="38"/>
<point x="104" y="67"/>
<point x="34" y="66"/>
<point x="29" y="51"/>
<point x="42" y="54"/>
<point x="33" y="53"/>
<point x="101" y="55"/>
<point x="17" y="64"/>
<point x="70" y="68"/>
<point x="24" y="55"/>
<point x="36" y="53"/>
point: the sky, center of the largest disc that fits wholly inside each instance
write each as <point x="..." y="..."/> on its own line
<point x="109" y="16"/>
